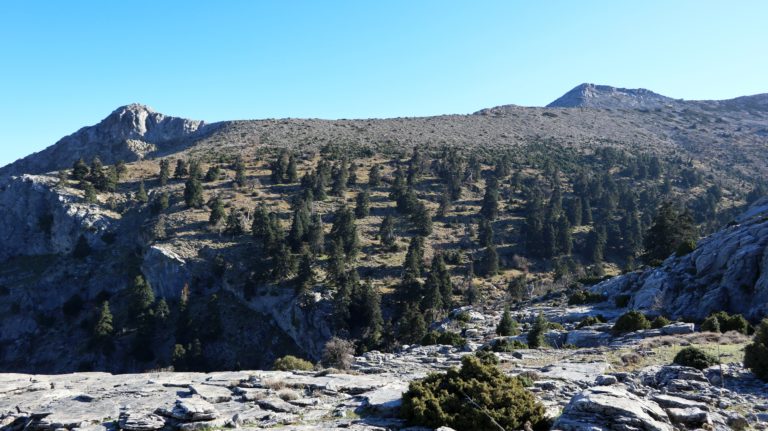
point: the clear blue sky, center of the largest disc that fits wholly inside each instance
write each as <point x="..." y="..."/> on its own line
<point x="67" y="64"/>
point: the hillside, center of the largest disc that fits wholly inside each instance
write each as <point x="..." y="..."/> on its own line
<point x="386" y="248"/>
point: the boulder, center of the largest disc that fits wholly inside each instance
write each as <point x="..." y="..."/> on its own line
<point x="141" y="422"/>
<point x="587" y="338"/>
<point x="678" y="328"/>
<point x="611" y="408"/>
<point x="192" y="409"/>
<point x="691" y="416"/>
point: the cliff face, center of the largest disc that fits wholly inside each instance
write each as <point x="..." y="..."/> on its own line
<point x="37" y="219"/>
<point x="727" y="271"/>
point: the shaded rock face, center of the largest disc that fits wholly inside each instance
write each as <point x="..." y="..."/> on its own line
<point x="129" y="133"/>
<point x="727" y="271"/>
<point x="39" y="220"/>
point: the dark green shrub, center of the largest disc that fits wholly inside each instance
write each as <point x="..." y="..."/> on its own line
<point x="590" y="320"/>
<point x="585" y="297"/>
<point x="507" y="345"/>
<point x="696" y="358"/>
<point x="621" y="301"/>
<point x="631" y="321"/>
<point x="660" y="322"/>
<point x="447" y="338"/>
<point x="536" y="334"/>
<point x="507" y="326"/>
<point x="756" y="354"/>
<point x="291" y="363"/>
<point x="472" y="399"/>
<point x="724" y="322"/>
<point x="710" y="324"/>
<point x="463" y="317"/>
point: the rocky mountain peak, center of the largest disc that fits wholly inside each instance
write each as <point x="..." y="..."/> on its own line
<point x="129" y="133"/>
<point x="604" y="96"/>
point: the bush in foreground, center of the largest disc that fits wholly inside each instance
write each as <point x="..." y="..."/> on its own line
<point x="631" y="321"/>
<point x="291" y="363"/>
<point x="476" y="397"/>
<point x="756" y="354"/>
<point x="696" y="358"/>
<point x="338" y="353"/>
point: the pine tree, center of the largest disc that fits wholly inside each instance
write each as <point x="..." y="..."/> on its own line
<point x="421" y="219"/>
<point x="414" y="258"/>
<point x="265" y="230"/>
<point x="489" y="263"/>
<point x="193" y="193"/>
<point x="79" y="170"/>
<point x="217" y="211"/>
<point x="507" y="326"/>
<point x="517" y="288"/>
<point x="673" y="230"/>
<point x="485" y="232"/>
<point x="372" y="322"/>
<point x="165" y="172"/>
<point x="432" y="300"/>
<point x="320" y="184"/>
<point x="292" y="173"/>
<point x="234" y="225"/>
<point x="104" y="323"/>
<point x="161" y="202"/>
<point x="596" y="241"/>
<point x="362" y="204"/>
<point x="537" y="332"/>
<point x="141" y="296"/>
<point x="443" y="279"/>
<point x="575" y="211"/>
<point x="196" y="169"/>
<point x="141" y="195"/>
<point x="340" y="179"/>
<point x="345" y="231"/>
<point x="411" y="326"/>
<point x="213" y="174"/>
<point x="342" y="300"/>
<point x="96" y="168"/>
<point x="387" y="233"/>
<point x="299" y="227"/>
<point x="280" y="167"/>
<point x="352" y="176"/>
<point x="374" y="176"/>
<point x="306" y="274"/>
<point x="316" y="235"/>
<point x="240" y="177"/>
<point x="471" y="293"/>
<point x="445" y="203"/>
<point x="89" y="193"/>
<point x="490" y="205"/>
<point x="564" y="239"/>
<point x="181" y="169"/>
<point x="284" y="262"/>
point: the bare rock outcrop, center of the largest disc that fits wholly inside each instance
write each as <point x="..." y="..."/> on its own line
<point x="38" y="219"/>
<point x="727" y="271"/>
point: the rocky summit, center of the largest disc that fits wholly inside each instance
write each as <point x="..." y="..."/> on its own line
<point x="598" y="264"/>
